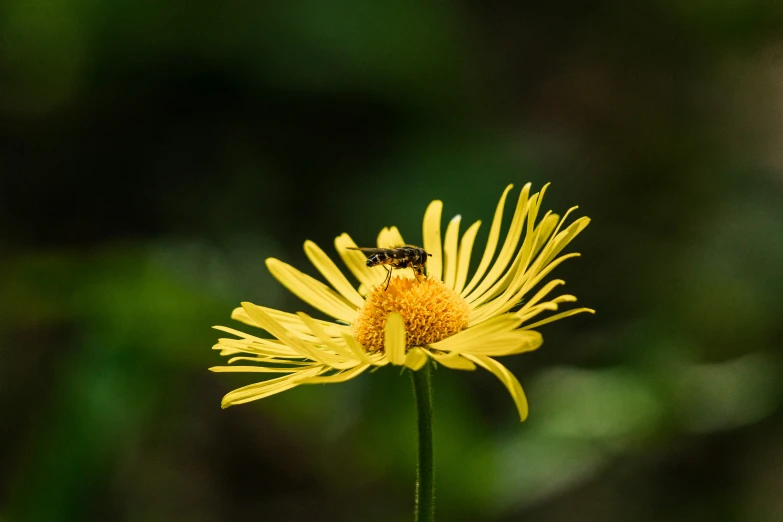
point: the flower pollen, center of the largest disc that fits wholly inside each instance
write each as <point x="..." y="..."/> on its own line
<point x="431" y="311"/>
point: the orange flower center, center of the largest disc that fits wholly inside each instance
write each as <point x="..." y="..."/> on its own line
<point x="431" y="311"/>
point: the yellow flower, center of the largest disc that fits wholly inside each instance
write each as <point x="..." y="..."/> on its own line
<point x="459" y="324"/>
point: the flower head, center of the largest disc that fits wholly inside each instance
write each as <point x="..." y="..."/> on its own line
<point x="458" y="323"/>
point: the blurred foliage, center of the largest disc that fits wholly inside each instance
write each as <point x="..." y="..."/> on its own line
<point x="154" y="154"/>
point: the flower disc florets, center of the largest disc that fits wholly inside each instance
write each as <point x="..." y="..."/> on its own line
<point x="431" y="311"/>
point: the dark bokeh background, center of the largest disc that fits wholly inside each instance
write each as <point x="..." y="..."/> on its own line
<point x="153" y="154"/>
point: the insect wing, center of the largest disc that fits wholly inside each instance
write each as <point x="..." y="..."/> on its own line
<point x="370" y="250"/>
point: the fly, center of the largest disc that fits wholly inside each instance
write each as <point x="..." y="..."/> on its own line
<point x="407" y="256"/>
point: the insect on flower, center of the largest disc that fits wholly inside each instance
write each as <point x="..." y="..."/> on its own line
<point x="459" y="316"/>
<point x="450" y="318"/>
<point x="408" y="256"/>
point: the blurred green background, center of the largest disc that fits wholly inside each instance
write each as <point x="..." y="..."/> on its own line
<point x="153" y="154"/>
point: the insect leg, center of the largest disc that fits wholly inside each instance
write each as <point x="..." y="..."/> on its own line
<point x="388" y="277"/>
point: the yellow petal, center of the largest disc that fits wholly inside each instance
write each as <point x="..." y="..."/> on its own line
<point x="270" y="360"/>
<point x="395" y="237"/>
<point x="501" y="287"/>
<point x="252" y="369"/>
<point x="265" y="347"/>
<point x="507" y="378"/>
<point x="379" y="359"/>
<point x="236" y="343"/>
<point x="383" y="240"/>
<point x="238" y="333"/>
<point x="559" y="242"/>
<point x="310" y="291"/>
<point x="330" y="342"/>
<point x="229" y="351"/>
<point x="559" y="316"/>
<point x="518" y="288"/>
<point x="260" y="390"/>
<point x="533" y="232"/>
<point x="376" y="359"/>
<point x="465" y="251"/>
<point x="280" y="332"/>
<point x="533" y="281"/>
<point x="431" y="236"/>
<point x="516" y="274"/>
<point x="536" y="236"/>
<point x="329" y="270"/>
<point x="504" y="303"/>
<point x="394" y="342"/>
<point x="476" y="334"/>
<point x="551" y="306"/>
<point x="453" y="361"/>
<point x="255" y="352"/>
<point x="551" y="285"/>
<point x="506" y="343"/>
<point x="535" y="205"/>
<point x="356" y="348"/>
<point x="415" y="359"/>
<point x="544" y="231"/>
<point x="563" y="220"/>
<point x="492" y="243"/>
<point x="338" y="377"/>
<point x="450" y="251"/>
<point x="291" y="322"/>
<point x="509" y="246"/>
<point x="390" y="238"/>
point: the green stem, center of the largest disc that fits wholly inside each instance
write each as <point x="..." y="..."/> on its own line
<point x="425" y="469"/>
